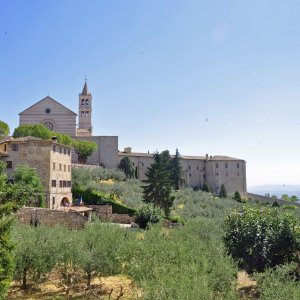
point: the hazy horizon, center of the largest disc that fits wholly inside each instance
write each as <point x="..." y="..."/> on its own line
<point x="205" y="77"/>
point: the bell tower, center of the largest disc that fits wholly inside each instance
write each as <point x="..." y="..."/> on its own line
<point x="85" y="112"/>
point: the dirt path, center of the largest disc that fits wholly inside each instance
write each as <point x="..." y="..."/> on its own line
<point x="246" y="286"/>
<point x="112" y="287"/>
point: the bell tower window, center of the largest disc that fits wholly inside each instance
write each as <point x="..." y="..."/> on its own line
<point x="87" y="102"/>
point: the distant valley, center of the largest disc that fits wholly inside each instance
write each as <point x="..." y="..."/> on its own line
<point x="277" y="190"/>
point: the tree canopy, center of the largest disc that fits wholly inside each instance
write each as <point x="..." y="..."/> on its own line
<point x="127" y="167"/>
<point x="28" y="186"/>
<point x="176" y="170"/>
<point x="223" y="192"/>
<point x="4" y="129"/>
<point x="159" y="183"/>
<point x="84" y="149"/>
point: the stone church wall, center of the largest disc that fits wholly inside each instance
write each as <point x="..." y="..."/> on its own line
<point x="106" y="153"/>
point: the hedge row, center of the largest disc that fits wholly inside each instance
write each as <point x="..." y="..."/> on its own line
<point x="92" y="197"/>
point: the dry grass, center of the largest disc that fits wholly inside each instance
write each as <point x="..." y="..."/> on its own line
<point x="112" y="287"/>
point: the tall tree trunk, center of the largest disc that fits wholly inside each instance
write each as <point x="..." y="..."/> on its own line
<point x="24" y="283"/>
<point x="89" y="278"/>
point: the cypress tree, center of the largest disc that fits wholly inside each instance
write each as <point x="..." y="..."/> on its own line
<point x="223" y="192"/>
<point x="159" y="185"/>
<point x="176" y="170"/>
<point x="205" y="187"/>
<point x="127" y="167"/>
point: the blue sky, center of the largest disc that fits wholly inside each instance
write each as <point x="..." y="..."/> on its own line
<point x="158" y="69"/>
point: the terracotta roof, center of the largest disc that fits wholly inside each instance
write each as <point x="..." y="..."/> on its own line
<point x="137" y="154"/>
<point x="193" y="157"/>
<point x="216" y="157"/>
<point x="24" y="139"/>
<point x="220" y="157"/>
<point x="31" y="139"/>
<point x="79" y="209"/>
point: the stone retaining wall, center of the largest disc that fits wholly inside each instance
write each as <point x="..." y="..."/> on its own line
<point x="51" y="217"/>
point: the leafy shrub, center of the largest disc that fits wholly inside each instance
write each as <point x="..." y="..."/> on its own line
<point x="94" y="197"/>
<point x="279" y="283"/>
<point x="223" y="192"/>
<point x="187" y="263"/>
<point x="147" y="214"/>
<point x="258" y="239"/>
<point x="289" y="207"/>
<point x="237" y="197"/>
<point x="275" y="204"/>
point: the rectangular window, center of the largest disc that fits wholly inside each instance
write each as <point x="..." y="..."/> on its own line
<point x="64" y="184"/>
<point x="69" y="152"/>
<point x="65" y="151"/>
<point x="69" y="168"/>
<point x="217" y="174"/>
<point x="60" y="183"/>
<point x="9" y="164"/>
<point x="217" y="165"/>
<point x="226" y="165"/>
<point x="190" y="167"/>
<point x="53" y="166"/>
<point x="69" y="184"/>
<point x="53" y="183"/>
<point x="65" y="168"/>
<point x="54" y="148"/>
<point x="14" y="147"/>
<point x="4" y="147"/>
<point x="238" y="165"/>
<point x="53" y="202"/>
<point x="226" y="174"/>
<point x="238" y="174"/>
<point x="59" y="167"/>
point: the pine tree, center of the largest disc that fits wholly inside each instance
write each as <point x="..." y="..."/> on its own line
<point x="127" y="167"/>
<point x="6" y="222"/>
<point x="237" y="196"/>
<point x="205" y="187"/>
<point x="176" y="170"/>
<point x="223" y="192"/>
<point x="159" y="185"/>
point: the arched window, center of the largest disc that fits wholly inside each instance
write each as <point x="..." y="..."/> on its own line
<point x="82" y="102"/>
<point x="87" y="102"/>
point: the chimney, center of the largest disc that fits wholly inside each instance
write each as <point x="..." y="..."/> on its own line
<point x="127" y="150"/>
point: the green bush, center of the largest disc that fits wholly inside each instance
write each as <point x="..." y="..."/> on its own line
<point x="258" y="239"/>
<point x="279" y="283"/>
<point x="147" y="214"/>
<point x="93" y="197"/>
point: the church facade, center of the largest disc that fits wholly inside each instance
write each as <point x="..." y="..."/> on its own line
<point x="215" y="170"/>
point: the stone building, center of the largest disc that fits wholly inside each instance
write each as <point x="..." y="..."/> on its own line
<point x="214" y="170"/>
<point x="51" y="160"/>
<point x="52" y="114"/>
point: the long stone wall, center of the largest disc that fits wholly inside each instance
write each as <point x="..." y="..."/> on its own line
<point x="264" y="199"/>
<point x="51" y="217"/>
